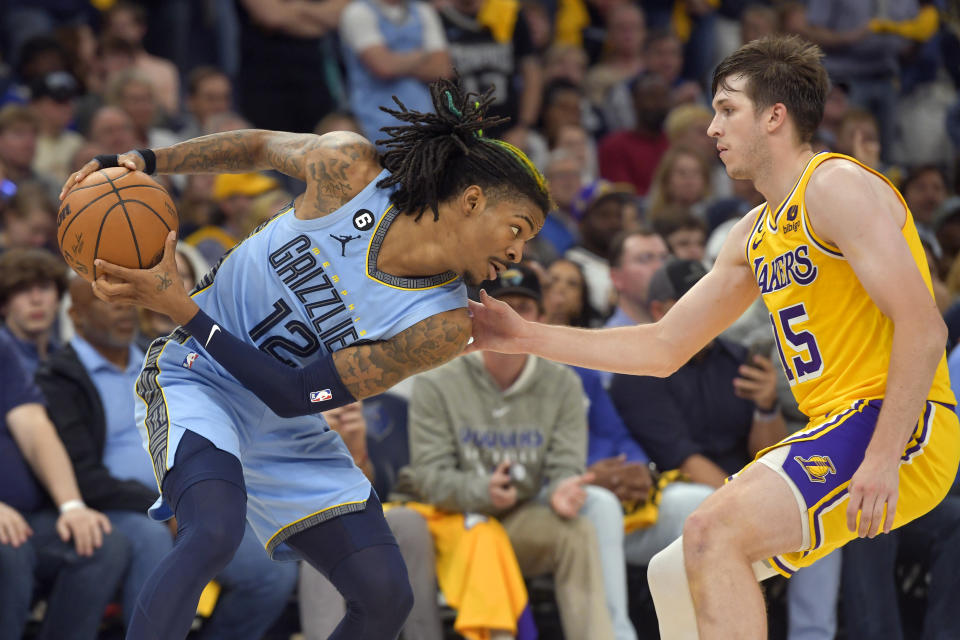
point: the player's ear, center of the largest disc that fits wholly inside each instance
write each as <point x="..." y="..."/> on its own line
<point x="473" y="200"/>
<point x="776" y="116"/>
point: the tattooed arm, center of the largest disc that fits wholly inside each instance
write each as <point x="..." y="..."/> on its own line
<point x="335" y="166"/>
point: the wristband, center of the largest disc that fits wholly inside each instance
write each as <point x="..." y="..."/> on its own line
<point x="107" y="160"/>
<point x="149" y="160"/>
<point x="765" y="415"/>
<point x="70" y="505"/>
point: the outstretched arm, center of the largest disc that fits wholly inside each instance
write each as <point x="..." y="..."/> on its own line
<point x="656" y="349"/>
<point x="335" y="166"/>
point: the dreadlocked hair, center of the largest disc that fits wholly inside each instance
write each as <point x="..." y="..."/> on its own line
<point x="436" y="155"/>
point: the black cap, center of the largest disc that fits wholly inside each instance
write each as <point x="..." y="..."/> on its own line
<point x="517" y="279"/>
<point x="674" y="279"/>
<point x="59" y="85"/>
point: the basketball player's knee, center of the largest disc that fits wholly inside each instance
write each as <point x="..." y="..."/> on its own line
<point x="217" y="536"/>
<point x="386" y="596"/>
<point x="704" y="532"/>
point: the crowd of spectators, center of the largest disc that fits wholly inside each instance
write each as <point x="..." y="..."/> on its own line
<point x="494" y="470"/>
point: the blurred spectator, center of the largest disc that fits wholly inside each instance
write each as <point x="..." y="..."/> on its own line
<point x="663" y="56"/>
<point x="52" y="98"/>
<point x="80" y="44"/>
<point x="565" y="296"/>
<point x="288" y="62"/>
<point x="634" y="257"/>
<point x="834" y="109"/>
<point x="112" y="130"/>
<point x="757" y="21"/>
<point x="685" y="235"/>
<point x="25" y="20"/>
<point x="946" y="224"/>
<point x="337" y="121"/>
<point x="197" y="208"/>
<point x="632" y="156"/>
<point x="682" y="180"/>
<point x="88" y="387"/>
<point x="858" y="137"/>
<point x="575" y="140"/>
<point x="686" y="125"/>
<point x="622" y="53"/>
<point x="227" y="121"/>
<point x="19" y="128"/>
<point x="865" y="61"/>
<point x="391" y="48"/>
<point x="127" y="21"/>
<point x="925" y="189"/>
<point x="566" y="62"/>
<point x="871" y="584"/>
<point x="562" y="107"/>
<point x="505" y="435"/>
<point x="29" y="218"/>
<point x="32" y="282"/>
<point x="208" y="94"/>
<point x="38" y="56"/>
<point x="264" y="206"/>
<point x="490" y="46"/>
<point x="600" y="209"/>
<point x="559" y="231"/>
<point x="133" y="91"/>
<point x="322" y="607"/>
<point x="234" y="195"/>
<point x="74" y="550"/>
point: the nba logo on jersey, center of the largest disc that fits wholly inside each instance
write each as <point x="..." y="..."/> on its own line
<point x="320" y="396"/>
<point x="189" y="359"/>
<point x="817" y="468"/>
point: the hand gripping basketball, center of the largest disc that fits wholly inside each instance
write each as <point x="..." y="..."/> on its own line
<point x="158" y="288"/>
<point x="131" y="161"/>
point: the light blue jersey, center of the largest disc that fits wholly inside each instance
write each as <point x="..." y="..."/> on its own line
<point x="296" y="289"/>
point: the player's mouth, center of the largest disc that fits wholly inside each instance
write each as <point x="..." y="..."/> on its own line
<point x="721" y="150"/>
<point x="492" y="270"/>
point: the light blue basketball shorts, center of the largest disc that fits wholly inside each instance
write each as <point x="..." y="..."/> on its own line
<point x="297" y="471"/>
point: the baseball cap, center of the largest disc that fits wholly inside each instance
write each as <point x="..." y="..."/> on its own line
<point x="517" y="279"/>
<point x="59" y="85"/>
<point x="241" y="184"/>
<point x="674" y="279"/>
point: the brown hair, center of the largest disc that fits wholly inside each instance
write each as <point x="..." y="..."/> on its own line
<point x="29" y="196"/>
<point x="22" y="268"/>
<point x="620" y="241"/>
<point x="784" y="69"/>
<point x="658" y="199"/>
<point x="14" y="114"/>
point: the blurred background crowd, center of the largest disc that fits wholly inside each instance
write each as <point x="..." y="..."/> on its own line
<point x="611" y="100"/>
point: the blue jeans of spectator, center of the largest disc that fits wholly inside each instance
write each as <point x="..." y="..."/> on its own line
<point x="870" y="599"/>
<point x="81" y="587"/>
<point x="878" y="96"/>
<point x="812" y="595"/>
<point x="255" y="589"/>
<point x="678" y="501"/>
<point x="603" y="509"/>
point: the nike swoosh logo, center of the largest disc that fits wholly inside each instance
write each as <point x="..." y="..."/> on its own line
<point x="756" y="243"/>
<point x="213" y="330"/>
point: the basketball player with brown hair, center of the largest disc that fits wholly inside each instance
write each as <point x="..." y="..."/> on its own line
<point x="836" y="257"/>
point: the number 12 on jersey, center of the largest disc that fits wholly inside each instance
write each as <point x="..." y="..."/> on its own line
<point x="807" y="363"/>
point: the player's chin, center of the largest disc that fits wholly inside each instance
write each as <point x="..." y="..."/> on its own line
<point x="471" y="279"/>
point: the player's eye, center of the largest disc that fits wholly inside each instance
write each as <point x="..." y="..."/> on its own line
<point x="516" y="230"/>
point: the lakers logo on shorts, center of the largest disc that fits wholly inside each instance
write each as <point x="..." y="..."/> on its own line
<point x="817" y="468"/>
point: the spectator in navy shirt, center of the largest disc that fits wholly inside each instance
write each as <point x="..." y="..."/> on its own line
<point x="73" y="549"/>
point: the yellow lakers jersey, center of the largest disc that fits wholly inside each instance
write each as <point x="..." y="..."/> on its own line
<point x="833" y="341"/>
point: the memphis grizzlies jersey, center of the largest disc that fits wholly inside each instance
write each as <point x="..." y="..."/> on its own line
<point x="832" y="340"/>
<point x="298" y="289"/>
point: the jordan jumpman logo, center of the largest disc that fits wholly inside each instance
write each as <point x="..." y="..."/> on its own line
<point x="343" y="243"/>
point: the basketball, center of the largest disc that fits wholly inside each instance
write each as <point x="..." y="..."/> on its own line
<point x="117" y="215"/>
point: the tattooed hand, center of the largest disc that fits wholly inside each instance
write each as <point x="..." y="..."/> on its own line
<point x="158" y="289"/>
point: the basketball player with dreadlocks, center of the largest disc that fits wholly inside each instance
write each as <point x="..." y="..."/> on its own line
<point x="298" y="319"/>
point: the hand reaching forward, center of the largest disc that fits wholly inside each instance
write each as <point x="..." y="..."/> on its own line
<point x="496" y="326"/>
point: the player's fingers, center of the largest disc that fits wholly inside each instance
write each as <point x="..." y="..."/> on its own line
<point x="877" y="517"/>
<point x="112" y="269"/>
<point x="113" y="291"/>
<point x="587" y="477"/>
<point x="170" y="250"/>
<point x="891" y="512"/>
<point x="129" y="164"/>
<point x="866" y="515"/>
<point x="853" y="508"/>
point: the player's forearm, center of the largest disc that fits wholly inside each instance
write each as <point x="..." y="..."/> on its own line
<point x="229" y="152"/>
<point x="918" y="346"/>
<point x="635" y="350"/>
